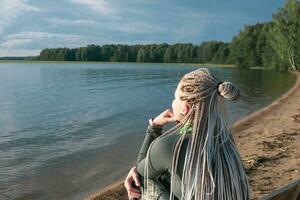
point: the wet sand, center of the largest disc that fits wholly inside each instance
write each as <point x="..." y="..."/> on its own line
<point x="268" y="141"/>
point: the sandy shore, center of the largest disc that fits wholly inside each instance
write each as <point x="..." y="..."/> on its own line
<point x="268" y="141"/>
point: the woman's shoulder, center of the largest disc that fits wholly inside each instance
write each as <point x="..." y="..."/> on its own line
<point x="167" y="140"/>
<point x="165" y="144"/>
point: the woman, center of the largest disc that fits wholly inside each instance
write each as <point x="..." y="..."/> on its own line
<point x="196" y="159"/>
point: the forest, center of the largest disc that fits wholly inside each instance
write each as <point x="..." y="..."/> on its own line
<point x="274" y="44"/>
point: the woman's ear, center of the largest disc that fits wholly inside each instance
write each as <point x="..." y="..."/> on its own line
<point x="185" y="109"/>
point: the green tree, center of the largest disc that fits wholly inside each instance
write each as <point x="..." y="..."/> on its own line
<point x="169" y="55"/>
<point x="93" y="53"/>
<point x="284" y="35"/>
<point x="81" y="54"/>
<point x="121" y="53"/>
<point x="242" y="47"/>
<point x="133" y="51"/>
<point x="222" y="54"/>
<point x="142" y="55"/>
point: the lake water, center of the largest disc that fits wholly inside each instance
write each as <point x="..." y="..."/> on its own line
<point x="68" y="130"/>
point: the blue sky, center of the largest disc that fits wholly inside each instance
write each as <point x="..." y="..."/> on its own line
<point x="27" y="26"/>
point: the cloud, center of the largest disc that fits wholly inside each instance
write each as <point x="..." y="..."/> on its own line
<point x="19" y="52"/>
<point x="32" y="42"/>
<point x="57" y="21"/>
<point x="15" y="42"/>
<point x="41" y="35"/>
<point x="101" y="6"/>
<point x="11" y="9"/>
<point x="33" y="24"/>
<point x="41" y="40"/>
<point x="132" y="27"/>
<point x="137" y="27"/>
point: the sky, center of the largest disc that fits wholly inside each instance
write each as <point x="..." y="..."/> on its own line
<point x="28" y="26"/>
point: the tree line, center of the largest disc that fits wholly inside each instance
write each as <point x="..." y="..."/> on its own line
<point x="274" y="44"/>
<point x="212" y="51"/>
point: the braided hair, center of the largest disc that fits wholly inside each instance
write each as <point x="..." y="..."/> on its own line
<point x="212" y="168"/>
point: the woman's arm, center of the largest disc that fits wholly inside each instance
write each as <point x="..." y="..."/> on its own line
<point x="154" y="130"/>
<point x="133" y="177"/>
<point x="160" y="156"/>
<point x="151" y="134"/>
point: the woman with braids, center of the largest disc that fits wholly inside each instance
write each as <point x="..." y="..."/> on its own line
<point x="196" y="159"/>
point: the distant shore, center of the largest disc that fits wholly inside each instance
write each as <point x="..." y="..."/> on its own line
<point x="268" y="141"/>
<point x="104" y="62"/>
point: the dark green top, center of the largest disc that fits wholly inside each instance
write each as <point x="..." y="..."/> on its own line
<point x="160" y="157"/>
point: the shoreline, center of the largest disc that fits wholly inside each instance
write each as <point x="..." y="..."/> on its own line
<point x="111" y="62"/>
<point x="268" y="141"/>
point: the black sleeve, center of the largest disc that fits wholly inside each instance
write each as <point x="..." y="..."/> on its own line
<point x="160" y="156"/>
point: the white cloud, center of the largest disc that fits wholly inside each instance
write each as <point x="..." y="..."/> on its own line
<point x="101" y="6"/>
<point x="41" y="35"/>
<point x="11" y="9"/>
<point x="32" y="42"/>
<point x="114" y="26"/>
<point x="15" y="42"/>
<point x="137" y="27"/>
<point x="38" y="40"/>
<point x="19" y="52"/>
<point x="57" y="21"/>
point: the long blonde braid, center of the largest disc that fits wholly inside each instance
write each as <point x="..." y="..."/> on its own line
<point x="212" y="168"/>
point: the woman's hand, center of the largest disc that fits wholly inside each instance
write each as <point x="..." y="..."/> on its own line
<point x="164" y="118"/>
<point x="132" y="178"/>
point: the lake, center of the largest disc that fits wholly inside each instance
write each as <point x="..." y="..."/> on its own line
<point x="70" y="129"/>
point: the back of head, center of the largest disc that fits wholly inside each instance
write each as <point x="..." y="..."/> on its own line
<point x="200" y="84"/>
<point x="213" y="168"/>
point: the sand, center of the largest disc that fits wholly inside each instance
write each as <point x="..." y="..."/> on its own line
<point x="268" y="141"/>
